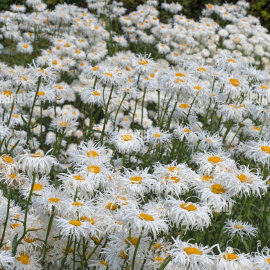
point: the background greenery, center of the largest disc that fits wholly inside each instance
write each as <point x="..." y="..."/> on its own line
<point x="191" y="8"/>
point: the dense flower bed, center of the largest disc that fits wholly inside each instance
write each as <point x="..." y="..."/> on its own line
<point x="127" y="143"/>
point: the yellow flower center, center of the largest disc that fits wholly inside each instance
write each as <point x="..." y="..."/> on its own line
<point x="173" y="169"/>
<point x="95" y="68"/>
<point x="111" y="206"/>
<point x="41" y="93"/>
<point x="25" y="46"/>
<point x="188" y="206"/>
<point x="127" y="137"/>
<point x="75" y="222"/>
<point x="37" y="187"/>
<point x="207" y="178"/>
<point x="192" y="251"/>
<point x="136" y="179"/>
<point x="178" y="74"/>
<point x="157" y="135"/>
<point x="201" y="69"/>
<point x="231" y="60"/>
<point x="69" y="251"/>
<point x="85" y="218"/>
<point x="159" y="259"/>
<point x="214" y="159"/>
<point x="256" y="128"/>
<point x="230" y="256"/>
<point x="157" y="245"/>
<point x="132" y="240"/>
<point x="93" y="154"/>
<point x="172" y="178"/>
<point x="217" y="189"/>
<point x="234" y="82"/>
<point x="36" y="155"/>
<point x="243" y="178"/>
<point x="24" y="259"/>
<point x="123" y="254"/>
<point x="197" y="87"/>
<point x="53" y="200"/>
<point x="96" y="93"/>
<point x="187" y="130"/>
<point x="77" y="204"/>
<point x="268" y="260"/>
<point x="147" y="217"/>
<point x="183" y="106"/>
<point x="64" y="124"/>
<point x="29" y="239"/>
<point x="7" y="92"/>
<point x="103" y="263"/>
<point x="7" y="159"/>
<point x="143" y="62"/>
<point x="264" y="87"/>
<point x="78" y="178"/>
<point x="93" y="169"/>
<point x="15" y="225"/>
<point x="238" y="226"/>
<point x="265" y="149"/>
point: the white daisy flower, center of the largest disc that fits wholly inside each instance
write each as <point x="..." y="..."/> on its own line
<point x="229" y="260"/>
<point x="191" y="256"/>
<point x="127" y="141"/>
<point x="142" y="222"/>
<point x="36" y="162"/>
<point x="239" y="228"/>
<point x="189" y="215"/>
<point x="6" y="260"/>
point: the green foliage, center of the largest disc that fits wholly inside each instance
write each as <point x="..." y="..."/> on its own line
<point x="261" y="9"/>
<point x="4" y="4"/>
<point x="193" y="8"/>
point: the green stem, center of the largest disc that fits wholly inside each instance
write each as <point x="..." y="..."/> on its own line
<point x="135" y="251"/>
<point x="144" y="92"/>
<point x="25" y="215"/>
<point x="12" y="106"/>
<point x="6" y="220"/>
<point x="47" y="234"/>
<point x="106" y="114"/>
<point x="32" y="109"/>
<point x="118" y="109"/>
<point x="165" y="263"/>
<point x="69" y="243"/>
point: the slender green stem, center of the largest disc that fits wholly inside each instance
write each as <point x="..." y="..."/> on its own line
<point x="240" y="126"/>
<point x="74" y="253"/>
<point x="6" y="220"/>
<point x="13" y="102"/>
<point x="106" y="114"/>
<point x="144" y="92"/>
<point x="69" y="243"/>
<point x="25" y="215"/>
<point x="118" y="109"/>
<point x="45" y="248"/>
<point x="135" y="251"/>
<point x="165" y="263"/>
<point x="32" y="109"/>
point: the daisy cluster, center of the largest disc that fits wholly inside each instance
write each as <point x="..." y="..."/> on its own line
<point x="129" y="143"/>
